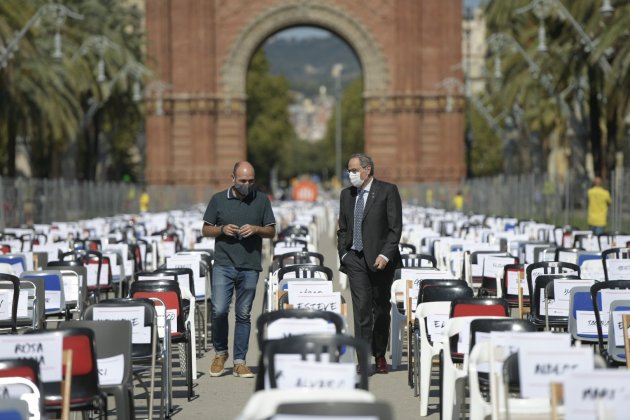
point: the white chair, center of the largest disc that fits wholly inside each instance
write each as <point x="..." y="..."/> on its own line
<point x="263" y="404"/>
<point x="24" y="390"/>
<point x="428" y="349"/>
<point x="399" y="294"/>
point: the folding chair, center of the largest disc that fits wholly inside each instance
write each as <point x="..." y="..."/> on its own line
<point x="580" y="302"/>
<point x="548" y="267"/>
<point x="509" y="285"/>
<point x="168" y="291"/>
<point x="267" y="319"/>
<point x="113" y="344"/>
<point x="320" y="347"/>
<point x="598" y="307"/>
<point x="145" y="347"/>
<point x="305" y="271"/>
<point x="543" y="294"/>
<point x="54" y="292"/>
<point x="300" y="257"/>
<point x="615" y="349"/>
<point x="616" y="263"/>
<point x="85" y="393"/>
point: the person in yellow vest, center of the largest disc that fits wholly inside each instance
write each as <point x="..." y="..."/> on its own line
<point x="458" y="201"/>
<point x="598" y="203"/>
<point x="145" y="200"/>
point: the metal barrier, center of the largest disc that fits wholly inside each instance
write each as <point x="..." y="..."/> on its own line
<point x="26" y="201"/>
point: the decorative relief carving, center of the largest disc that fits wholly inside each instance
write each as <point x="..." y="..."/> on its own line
<point x="307" y="12"/>
<point x="185" y="104"/>
<point x="412" y="103"/>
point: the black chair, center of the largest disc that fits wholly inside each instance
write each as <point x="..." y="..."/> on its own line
<point x="338" y="409"/>
<point x="10" y="282"/>
<point x="545" y="286"/>
<point x="614" y="254"/>
<point x="305" y="271"/>
<point x="418" y="260"/>
<point x="560" y="250"/>
<point x="268" y="318"/>
<point x="597" y="306"/>
<point x="325" y="347"/>
<point x="406" y="248"/>
<point x="443" y="290"/>
<point x="300" y="258"/>
<point x="510" y="274"/>
<point x="548" y="267"/>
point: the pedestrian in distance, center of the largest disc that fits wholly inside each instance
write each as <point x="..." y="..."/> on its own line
<point x="598" y="203"/>
<point x="238" y="218"/>
<point x="370" y="226"/>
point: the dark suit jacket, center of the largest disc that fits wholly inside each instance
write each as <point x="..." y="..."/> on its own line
<point x="382" y="223"/>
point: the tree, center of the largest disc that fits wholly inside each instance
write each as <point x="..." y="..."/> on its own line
<point x="269" y="130"/>
<point x="352" y="126"/>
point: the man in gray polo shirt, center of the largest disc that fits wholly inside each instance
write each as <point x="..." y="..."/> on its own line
<point x="238" y="218"/>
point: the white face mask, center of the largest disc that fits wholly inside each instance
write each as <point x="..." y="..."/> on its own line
<point x="355" y="179"/>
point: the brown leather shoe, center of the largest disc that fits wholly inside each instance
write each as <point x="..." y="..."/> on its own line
<point x="381" y="365"/>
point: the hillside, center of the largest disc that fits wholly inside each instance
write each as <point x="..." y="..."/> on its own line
<point x="307" y="62"/>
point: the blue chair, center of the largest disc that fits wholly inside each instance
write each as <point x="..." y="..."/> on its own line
<point x="580" y="300"/>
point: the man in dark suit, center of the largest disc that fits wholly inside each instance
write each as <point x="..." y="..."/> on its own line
<point x="370" y="225"/>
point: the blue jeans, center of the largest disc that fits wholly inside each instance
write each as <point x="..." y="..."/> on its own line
<point x="226" y="281"/>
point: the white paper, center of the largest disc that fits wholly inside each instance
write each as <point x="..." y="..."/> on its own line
<point x="193" y="262"/>
<point x="587" y="325"/>
<point x="6" y="304"/>
<point x="285" y="327"/>
<point x="92" y="273"/>
<point x="610" y="295"/>
<point x="321" y="302"/>
<point x="317" y="287"/>
<point x="618" y="326"/>
<point x="463" y="342"/>
<point x="435" y="326"/>
<point x="618" y="269"/>
<point x="585" y="393"/>
<point x="512" y="283"/>
<point x="134" y="314"/>
<point x="538" y="368"/>
<point x="423" y="273"/>
<point x="111" y="370"/>
<point x="53" y="299"/>
<point x="44" y="348"/>
<point x="493" y="266"/>
<point x="168" y="248"/>
<point x="171" y="315"/>
<point x="70" y="287"/>
<point x="315" y="375"/>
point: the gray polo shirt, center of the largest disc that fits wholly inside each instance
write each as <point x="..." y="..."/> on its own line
<point x="225" y="208"/>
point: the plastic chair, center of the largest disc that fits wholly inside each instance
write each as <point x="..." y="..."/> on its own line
<point x="145" y="351"/>
<point x="265" y="320"/>
<point x="300" y="257"/>
<point x="85" y="392"/>
<point x="27" y="406"/>
<point x="305" y="271"/>
<point x="418" y="260"/>
<point x="548" y="267"/>
<point x="616" y="350"/>
<point x="406" y="248"/>
<point x="323" y="347"/>
<point x="11" y="283"/>
<point x="26" y="369"/>
<point x="580" y="300"/>
<point x="615" y="254"/>
<point x="544" y="287"/>
<point x="509" y="285"/>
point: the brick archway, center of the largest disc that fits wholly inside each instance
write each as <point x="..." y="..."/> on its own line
<point x="202" y="50"/>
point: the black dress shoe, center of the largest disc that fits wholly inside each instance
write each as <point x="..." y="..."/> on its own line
<point x="370" y="371"/>
<point x="381" y="365"/>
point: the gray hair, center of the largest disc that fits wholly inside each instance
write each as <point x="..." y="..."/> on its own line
<point x="364" y="161"/>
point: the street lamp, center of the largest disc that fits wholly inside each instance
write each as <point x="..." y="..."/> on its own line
<point x="159" y="87"/>
<point x="100" y="44"/>
<point x="336" y="73"/>
<point x="56" y="11"/>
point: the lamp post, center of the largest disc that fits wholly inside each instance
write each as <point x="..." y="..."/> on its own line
<point x="336" y="73"/>
<point x="58" y="12"/>
<point x="100" y="44"/>
<point x="159" y="87"/>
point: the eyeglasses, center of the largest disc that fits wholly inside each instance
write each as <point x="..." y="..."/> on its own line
<point x="353" y="171"/>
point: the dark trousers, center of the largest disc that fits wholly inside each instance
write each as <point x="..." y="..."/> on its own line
<point x="370" y="301"/>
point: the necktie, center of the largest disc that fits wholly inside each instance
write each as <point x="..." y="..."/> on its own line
<point x="357" y="239"/>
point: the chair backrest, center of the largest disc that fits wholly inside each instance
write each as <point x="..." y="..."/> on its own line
<point x="441" y="292"/>
<point x="569" y="255"/>
<point x="305" y="270"/>
<point x="143" y="332"/>
<point x="479" y="307"/>
<point x="54" y="289"/>
<point x="418" y="260"/>
<point x="548" y="267"/>
<point x="23" y="368"/>
<point x="406" y="248"/>
<point x="183" y="276"/>
<point x="616" y="347"/>
<point x="168" y="292"/>
<point x="9" y="285"/>
<point x="544" y="290"/>
<point x="487" y="325"/>
<point x="23" y="400"/>
<point x="340" y="410"/>
<point x="599" y="305"/>
<point x="300" y="257"/>
<point x="616" y="263"/>
<point x="267" y="318"/>
<point x="318" y="347"/>
<point x="291" y="244"/>
<point x="580" y="302"/>
<point x="112" y="340"/>
<point x="509" y="283"/>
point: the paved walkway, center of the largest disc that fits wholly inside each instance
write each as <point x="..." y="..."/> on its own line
<point x="224" y="397"/>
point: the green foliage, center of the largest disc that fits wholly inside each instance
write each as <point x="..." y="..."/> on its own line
<point x="487" y="148"/>
<point x="352" y="118"/>
<point x="56" y="108"/>
<point x="269" y="131"/>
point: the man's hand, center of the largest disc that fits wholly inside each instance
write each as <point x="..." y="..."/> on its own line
<point x="230" y="230"/>
<point x="380" y="263"/>
<point x="248" y="230"/>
